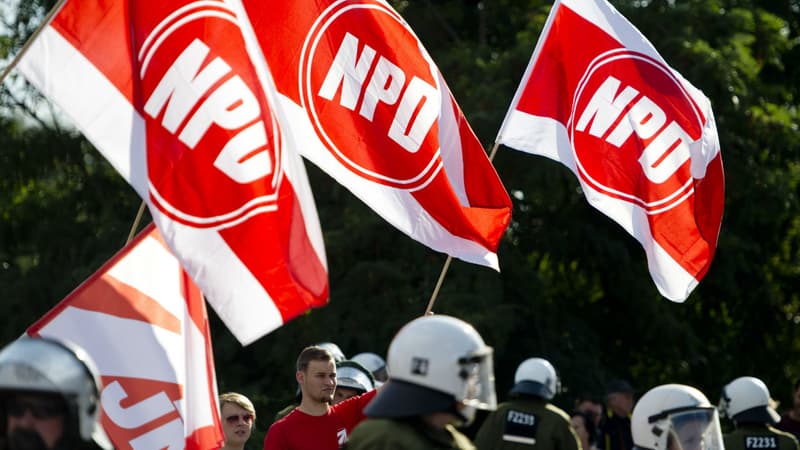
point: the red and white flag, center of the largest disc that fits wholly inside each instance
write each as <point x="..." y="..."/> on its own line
<point x="642" y="140"/>
<point x="368" y="106"/>
<point x="179" y="99"/>
<point x="144" y="324"/>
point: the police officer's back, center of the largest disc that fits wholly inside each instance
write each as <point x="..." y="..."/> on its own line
<point x="528" y="421"/>
<point x="746" y="401"/>
<point x="440" y="372"/>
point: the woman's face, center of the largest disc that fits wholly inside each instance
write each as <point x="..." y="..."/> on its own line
<point x="580" y="430"/>
<point x="237" y="424"/>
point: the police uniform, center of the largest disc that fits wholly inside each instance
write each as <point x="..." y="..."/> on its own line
<point x="527" y="423"/>
<point x="388" y="434"/>
<point x="750" y="436"/>
<point x="428" y="391"/>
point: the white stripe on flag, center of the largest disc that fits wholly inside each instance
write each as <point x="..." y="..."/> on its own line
<point x="105" y="116"/>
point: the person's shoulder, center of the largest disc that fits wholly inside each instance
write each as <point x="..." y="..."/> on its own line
<point x="460" y="440"/>
<point x="557" y="412"/>
<point x="380" y="433"/>
<point x="284" y="412"/>
<point x="527" y="403"/>
<point x="502" y="407"/>
<point x="292" y="416"/>
<point x="783" y="434"/>
<point x="378" y="424"/>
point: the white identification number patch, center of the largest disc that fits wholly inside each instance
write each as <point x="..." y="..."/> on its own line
<point x="520" y="427"/>
<point x="760" y="442"/>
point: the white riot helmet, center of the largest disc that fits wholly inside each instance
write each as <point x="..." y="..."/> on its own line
<point x="536" y="376"/>
<point x="351" y="374"/>
<point x="338" y="354"/>
<point x="436" y="364"/>
<point x="374" y="363"/>
<point x="42" y="365"/>
<point x="675" y="417"/>
<point x="746" y="399"/>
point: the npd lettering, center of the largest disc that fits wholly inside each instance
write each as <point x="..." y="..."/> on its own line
<point x="226" y="102"/>
<point x="667" y="147"/>
<point x="416" y="102"/>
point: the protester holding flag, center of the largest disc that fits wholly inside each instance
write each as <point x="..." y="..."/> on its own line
<point x="50" y="395"/>
<point x="315" y="424"/>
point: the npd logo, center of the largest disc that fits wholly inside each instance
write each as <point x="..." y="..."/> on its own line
<point x="213" y="145"/>
<point x="631" y="128"/>
<point x="372" y="94"/>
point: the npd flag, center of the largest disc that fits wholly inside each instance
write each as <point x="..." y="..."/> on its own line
<point x="144" y="324"/>
<point x="642" y="140"/>
<point x="176" y="96"/>
<point x="368" y="105"/>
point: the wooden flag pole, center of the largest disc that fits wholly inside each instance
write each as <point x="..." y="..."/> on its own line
<point x="438" y="285"/>
<point x="30" y="40"/>
<point x="429" y="309"/>
<point x="136" y="221"/>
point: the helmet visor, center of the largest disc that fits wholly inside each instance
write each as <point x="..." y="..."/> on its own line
<point x="695" y="429"/>
<point x="477" y="370"/>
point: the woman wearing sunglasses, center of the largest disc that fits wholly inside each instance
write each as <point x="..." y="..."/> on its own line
<point x="238" y="417"/>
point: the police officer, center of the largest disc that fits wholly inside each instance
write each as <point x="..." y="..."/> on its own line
<point x="675" y="417"/>
<point x="49" y="397"/>
<point x="440" y="372"/>
<point x="351" y="379"/>
<point x="746" y="401"/>
<point x="528" y="421"/>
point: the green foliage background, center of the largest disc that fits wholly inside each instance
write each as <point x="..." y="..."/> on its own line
<point x="573" y="288"/>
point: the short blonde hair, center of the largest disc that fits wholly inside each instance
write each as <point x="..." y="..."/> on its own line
<point x="238" y="400"/>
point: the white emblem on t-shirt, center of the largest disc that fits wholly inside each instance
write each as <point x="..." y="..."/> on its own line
<point x="341" y="435"/>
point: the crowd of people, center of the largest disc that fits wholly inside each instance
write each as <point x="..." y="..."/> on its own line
<point x="437" y="375"/>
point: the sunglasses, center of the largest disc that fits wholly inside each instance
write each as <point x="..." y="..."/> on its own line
<point x="247" y="418"/>
<point x="38" y="410"/>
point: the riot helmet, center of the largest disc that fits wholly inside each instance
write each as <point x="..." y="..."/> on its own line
<point x="352" y="379"/>
<point x="675" y="417"/>
<point x="436" y="364"/>
<point x="36" y="365"/>
<point x="338" y="354"/>
<point x="536" y="376"/>
<point x="374" y="363"/>
<point x="746" y="399"/>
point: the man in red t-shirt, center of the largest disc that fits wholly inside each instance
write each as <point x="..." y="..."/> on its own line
<point x="315" y="424"/>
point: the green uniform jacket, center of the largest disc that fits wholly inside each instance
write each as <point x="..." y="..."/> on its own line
<point x="387" y="434"/>
<point x="527" y="424"/>
<point x="759" y="437"/>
